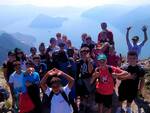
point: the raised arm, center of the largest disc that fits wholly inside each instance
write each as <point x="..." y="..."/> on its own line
<point x="43" y="81"/>
<point x="127" y="36"/>
<point x="66" y="76"/>
<point x="144" y="29"/>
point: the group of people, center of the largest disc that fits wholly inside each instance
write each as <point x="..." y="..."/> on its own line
<point x="63" y="79"/>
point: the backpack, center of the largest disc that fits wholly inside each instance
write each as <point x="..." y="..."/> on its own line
<point x="48" y="99"/>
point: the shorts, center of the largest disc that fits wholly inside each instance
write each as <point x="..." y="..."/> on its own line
<point x="129" y="95"/>
<point x="106" y="100"/>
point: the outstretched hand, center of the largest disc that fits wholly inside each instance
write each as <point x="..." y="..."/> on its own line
<point x="144" y="28"/>
<point x="128" y="28"/>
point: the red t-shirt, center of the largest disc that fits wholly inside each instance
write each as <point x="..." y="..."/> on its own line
<point x="108" y="37"/>
<point x="105" y="86"/>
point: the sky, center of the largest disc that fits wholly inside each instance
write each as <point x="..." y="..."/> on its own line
<point x="74" y="3"/>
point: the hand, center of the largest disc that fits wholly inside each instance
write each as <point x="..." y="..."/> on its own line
<point x="144" y="28"/>
<point x="131" y="76"/>
<point x="28" y="83"/>
<point x="128" y="28"/>
<point x="51" y="72"/>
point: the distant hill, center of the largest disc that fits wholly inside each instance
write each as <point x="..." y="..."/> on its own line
<point x="44" y="21"/>
<point x="106" y="13"/>
<point x="7" y="43"/>
<point x="26" y="39"/>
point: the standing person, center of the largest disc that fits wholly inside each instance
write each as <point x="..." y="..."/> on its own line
<point x="52" y="47"/>
<point x="83" y="37"/>
<point x="89" y="43"/>
<point x="129" y="89"/>
<point x="32" y="82"/>
<point x="85" y="67"/>
<point x="104" y="83"/>
<point x="33" y="52"/>
<point x="135" y="45"/>
<point x="42" y="54"/>
<point x="58" y="38"/>
<point x="17" y="85"/>
<point x="105" y="35"/>
<point x="8" y="67"/>
<point x="40" y="68"/>
<point x="58" y="101"/>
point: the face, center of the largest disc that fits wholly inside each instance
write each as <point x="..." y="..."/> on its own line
<point x="84" y="37"/>
<point x="58" y="36"/>
<point x="84" y="53"/>
<point x="42" y="49"/>
<point x="88" y="41"/>
<point x="17" y="66"/>
<point x="53" y="43"/>
<point x="33" y="51"/>
<point x="132" y="60"/>
<point x="19" y="54"/>
<point x="102" y="63"/>
<point x="104" y="26"/>
<point x="69" y="43"/>
<point x="134" y="41"/>
<point x="12" y="57"/>
<point x="36" y="61"/>
<point x="56" y="87"/>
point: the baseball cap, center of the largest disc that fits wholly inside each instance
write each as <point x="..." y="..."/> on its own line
<point x="101" y="57"/>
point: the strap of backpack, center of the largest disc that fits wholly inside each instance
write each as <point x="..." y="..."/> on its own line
<point x="65" y="97"/>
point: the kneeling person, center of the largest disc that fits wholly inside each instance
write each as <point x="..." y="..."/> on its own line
<point x="57" y="95"/>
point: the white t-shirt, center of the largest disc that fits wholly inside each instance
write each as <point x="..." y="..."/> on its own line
<point x="58" y="104"/>
<point x="18" y="82"/>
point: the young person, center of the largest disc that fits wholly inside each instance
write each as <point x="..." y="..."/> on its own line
<point x="129" y="89"/>
<point x="58" y="101"/>
<point x="105" y="35"/>
<point x="105" y="84"/>
<point x="17" y="84"/>
<point x="135" y="45"/>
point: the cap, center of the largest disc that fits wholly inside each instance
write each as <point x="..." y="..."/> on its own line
<point x="101" y="57"/>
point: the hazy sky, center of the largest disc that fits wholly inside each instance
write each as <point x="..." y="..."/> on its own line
<point x="75" y="3"/>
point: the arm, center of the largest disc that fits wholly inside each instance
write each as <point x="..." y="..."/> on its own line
<point x="95" y="76"/>
<point x="90" y="66"/>
<point x="141" y="84"/>
<point x="68" y="77"/>
<point x="43" y="81"/>
<point x="144" y="29"/>
<point x="127" y="36"/>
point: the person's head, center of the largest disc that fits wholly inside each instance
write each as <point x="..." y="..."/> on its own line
<point x="69" y="43"/>
<point x="33" y="50"/>
<point x="84" y="51"/>
<point x="64" y="38"/>
<point x="83" y="36"/>
<point x="58" y="36"/>
<point x="70" y="52"/>
<point x="11" y="56"/>
<point x="36" y="59"/>
<point x="104" y="26"/>
<point x="55" y="84"/>
<point x="53" y="42"/>
<point x="135" y="40"/>
<point x="29" y="64"/>
<point x="102" y="60"/>
<point x="42" y="48"/>
<point x="132" y="58"/>
<point x="19" y="54"/>
<point x="62" y="46"/>
<point x="88" y="39"/>
<point x="17" y="65"/>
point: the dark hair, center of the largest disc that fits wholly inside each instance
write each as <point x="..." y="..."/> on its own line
<point x="36" y="57"/>
<point x="52" y="39"/>
<point x="11" y="53"/>
<point x="33" y="48"/>
<point x="16" y="62"/>
<point x="55" y="80"/>
<point x="132" y="53"/>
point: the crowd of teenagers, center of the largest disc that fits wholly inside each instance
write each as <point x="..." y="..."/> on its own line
<point x="63" y="79"/>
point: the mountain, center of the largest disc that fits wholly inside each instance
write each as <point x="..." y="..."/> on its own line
<point x="106" y="13"/>
<point x="44" y="21"/>
<point x="26" y="39"/>
<point x="136" y="18"/>
<point x="7" y="43"/>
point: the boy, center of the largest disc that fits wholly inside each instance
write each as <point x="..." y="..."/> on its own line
<point x="135" y="45"/>
<point x="105" y="83"/>
<point x="129" y="89"/>
<point x="58" y="104"/>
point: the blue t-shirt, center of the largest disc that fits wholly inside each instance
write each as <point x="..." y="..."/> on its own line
<point x="33" y="78"/>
